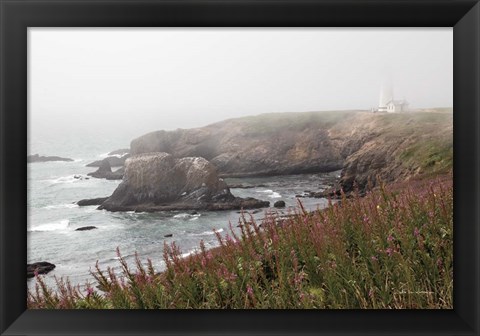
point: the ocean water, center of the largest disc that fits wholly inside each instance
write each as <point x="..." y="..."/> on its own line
<point x="53" y="215"/>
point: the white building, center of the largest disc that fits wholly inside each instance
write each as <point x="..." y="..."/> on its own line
<point x="397" y="106"/>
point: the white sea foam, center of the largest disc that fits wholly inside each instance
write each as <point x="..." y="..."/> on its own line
<point x="207" y="233"/>
<point x="186" y="216"/>
<point x="184" y="255"/>
<point x="64" y="179"/>
<point x="61" y="206"/>
<point x="105" y="155"/>
<point x="54" y="226"/>
<point x="274" y="194"/>
<point x="102" y="156"/>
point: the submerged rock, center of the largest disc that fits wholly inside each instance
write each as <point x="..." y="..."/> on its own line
<point x="86" y="228"/>
<point x="41" y="267"/>
<point x="105" y="171"/>
<point x="38" y="158"/>
<point x="158" y="181"/>
<point x="92" y="201"/>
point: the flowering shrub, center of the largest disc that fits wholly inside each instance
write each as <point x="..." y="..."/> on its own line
<point x="392" y="248"/>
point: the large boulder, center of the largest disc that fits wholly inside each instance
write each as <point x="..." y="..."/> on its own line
<point x="159" y="181"/>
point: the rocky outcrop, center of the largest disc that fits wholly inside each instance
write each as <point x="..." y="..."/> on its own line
<point x="38" y="158"/>
<point x="41" y="267"/>
<point x="279" y="204"/>
<point x="159" y="181"/>
<point x="114" y="161"/>
<point x="105" y="171"/>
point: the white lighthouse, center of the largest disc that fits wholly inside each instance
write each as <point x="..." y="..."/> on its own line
<point x="386" y="95"/>
<point x="387" y="103"/>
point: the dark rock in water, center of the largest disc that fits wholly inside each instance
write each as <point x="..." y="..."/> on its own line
<point x="158" y="182"/>
<point x="279" y="204"/>
<point x="243" y="186"/>
<point x="168" y="235"/>
<point x="41" y="267"/>
<point x="334" y="193"/>
<point x="112" y="160"/>
<point x="116" y="175"/>
<point x="38" y="158"/>
<point x="105" y="171"/>
<point x="120" y="151"/>
<point x="92" y="201"/>
<point x="86" y="228"/>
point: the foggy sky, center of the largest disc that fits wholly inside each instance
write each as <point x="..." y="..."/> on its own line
<point x="140" y="80"/>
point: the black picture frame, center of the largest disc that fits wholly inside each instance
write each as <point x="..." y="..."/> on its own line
<point x="17" y="15"/>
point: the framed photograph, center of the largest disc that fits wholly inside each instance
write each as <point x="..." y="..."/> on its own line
<point x="272" y="167"/>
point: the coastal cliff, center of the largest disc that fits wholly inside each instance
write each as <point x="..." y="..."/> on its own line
<point x="365" y="145"/>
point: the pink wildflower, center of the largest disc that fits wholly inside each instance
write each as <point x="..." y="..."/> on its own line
<point x="389" y="251"/>
<point x="416" y="232"/>
<point x="390" y="238"/>
<point x="249" y="290"/>
<point x="439" y="263"/>
<point x="374" y="258"/>
<point x="89" y="291"/>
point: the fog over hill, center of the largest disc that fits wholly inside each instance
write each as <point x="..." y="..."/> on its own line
<point x="120" y="83"/>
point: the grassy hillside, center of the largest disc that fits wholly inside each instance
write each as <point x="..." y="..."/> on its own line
<point x="401" y="147"/>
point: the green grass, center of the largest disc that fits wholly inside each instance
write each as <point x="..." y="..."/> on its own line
<point x="390" y="249"/>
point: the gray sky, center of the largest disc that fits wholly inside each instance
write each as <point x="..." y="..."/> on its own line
<point x="140" y="80"/>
